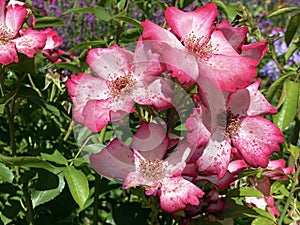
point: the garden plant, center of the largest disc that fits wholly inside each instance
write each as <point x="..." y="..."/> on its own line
<point x="149" y="112"/>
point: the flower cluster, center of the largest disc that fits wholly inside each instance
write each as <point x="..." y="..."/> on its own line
<point x="226" y="130"/>
<point x="14" y="39"/>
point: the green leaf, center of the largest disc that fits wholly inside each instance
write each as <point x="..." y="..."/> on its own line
<point x="278" y="186"/>
<point x="27" y="161"/>
<point x="56" y="157"/>
<point x="294" y="46"/>
<point x="80" y="10"/>
<point x="69" y="66"/>
<point x="6" y="174"/>
<point x="93" y="148"/>
<point x="81" y="46"/>
<point x="276" y="86"/>
<point x="78" y="184"/>
<point x="292" y="27"/>
<point x="264" y="213"/>
<point x="129" y="20"/>
<point x="243" y="192"/>
<point x="161" y="5"/>
<point x="131" y="34"/>
<point x="102" y="14"/>
<point x="284" y="11"/>
<point x="40" y="197"/>
<point x="121" y="5"/>
<point x="48" y="21"/>
<point x="262" y="220"/>
<point x="289" y="108"/>
<point x="294" y="151"/>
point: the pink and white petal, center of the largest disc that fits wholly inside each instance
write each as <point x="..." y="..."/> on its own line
<point x="113" y="161"/>
<point x="255" y="51"/>
<point x="96" y="114"/>
<point x="82" y="88"/>
<point x="8" y="53"/>
<point x="256" y="140"/>
<point x="228" y="73"/>
<point x="176" y="161"/>
<point x="137" y="178"/>
<point x="198" y="135"/>
<point x="236" y="166"/>
<point x="146" y="63"/>
<point x="30" y="42"/>
<point x="216" y="156"/>
<point x="151" y="141"/>
<point x="177" y="192"/>
<point x="200" y="21"/>
<point x="15" y="17"/>
<point x="236" y="36"/>
<point x="2" y="11"/>
<point x="181" y="62"/>
<point x="53" y="40"/>
<point x="158" y="35"/>
<point x="106" y="62"/>
<point x="220" y="45"/>
<point x="250" y="101"/>
<point x="157" y="94"/>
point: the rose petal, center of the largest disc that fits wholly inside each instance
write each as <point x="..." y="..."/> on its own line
<point x="257" y="139"/>
<point x="199" y="21"/>
<point x="106" y="62"/>
<point x="114" y="161"/>
<point x="250" y="101"/>
<point x="177" y="192"/>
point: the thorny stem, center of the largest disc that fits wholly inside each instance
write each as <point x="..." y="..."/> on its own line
<point x="10" y="110"/>
<point x="273" y="54"/>
<point x="288" y="202"/>
<point x="96" y="199"/>
<point x="294" y="141"/>
<point x="97" y="184"/>
<point x="29" y="210"/>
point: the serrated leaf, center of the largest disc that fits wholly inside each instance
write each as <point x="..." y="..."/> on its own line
<point x="6" y="175"/>
<point x="292" y="27"/>
<point x="56" y="157"/>
<point x="129" y="20"/>
<point x="48" y="21"/>
<point x="289" y="108"/>
<point x="277" y="84"/>
<point x="264" y="213"/>
<point x="262" y="221"/>
<point x="278" y="185"/>
<point x="69" y="66"/>
<point x="294" y="151"/>
<point x="283" y="11"/>
<point x="79" y="10"/>
<point x="40" y="197"/>
<point x="121" y="5"/>
<point x="244" y="192"/>
<point x="78" y="184"/>
<point x="161" y="5"/>
<point x="84" y="45"/>
<point x="102" y="14"/>
<point x="27" y="161"/>
<point x="294" y="46"/>
<point x="93" y="148"/>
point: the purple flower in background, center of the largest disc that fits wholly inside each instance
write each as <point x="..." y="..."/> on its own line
<point x="270" y="70"/>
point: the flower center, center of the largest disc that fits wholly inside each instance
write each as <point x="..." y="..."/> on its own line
<point x="199" y="46"/>
<point x="230" y="122"/>
<point x="152" y="170"/>
<point x="5" y="35"/>
<point x="121" y="85"/>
